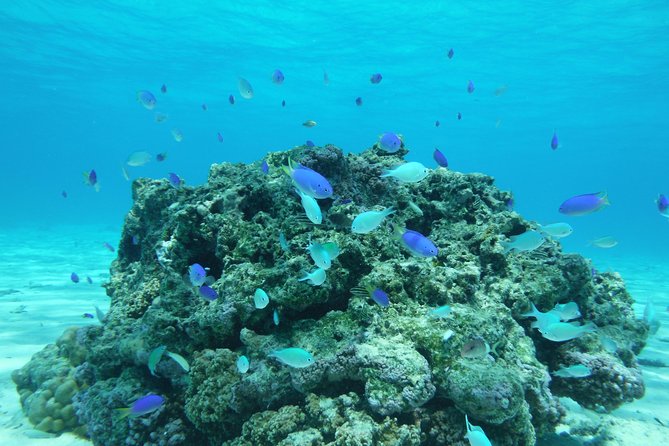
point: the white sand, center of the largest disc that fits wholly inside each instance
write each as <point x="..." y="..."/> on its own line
<point x="37" y="264"/>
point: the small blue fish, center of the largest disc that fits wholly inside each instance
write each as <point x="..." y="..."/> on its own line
<point x="161" y="157"/>
<point x="208" y="293"/>
<point x="89" y="280"/>
<point x="358" y="101"/>
<point x="380" y="297"/>
<point x="293" y="357"/>
<point x="440" y="158"/>
<point x="509" y="204"/>
<point x="88" y="316"/>
<point x="283" y="242"/>
<point x="416" y="243"/>
<point x="450" y="53"/>
<point x="584" y="204"/>
<point x="219" y="137"/>
<point x="109" y="247"/>
<point x="264" y="167"/>
<point x="326" y="78"/>
<point x="174" y="180"/>
<point x="134" y="240"/>
<point x="470" y="87"/>
<point x="308" y="181"/>
<point x="376" y="78"/>
<point x="278" y="77"/>
<point x="147" y="99"/>
<point x="459" y="116"/>
<point x="197" y="274"/>
<point x="64" y="194"/>
<point x="231" y="100"/>
<point x="309" y="143"/>
<point x="163" y="89"/>
<point x="91" y="179"/>
<point x="554" y="141"/>
<point x="663" y="205"/>
<point x="390" y="142"/>
<point x="437" y="123"/>
<point x="283" y="103"/>
<point x="74" y="277"/>
<point x="143" y="406"/>
<point x="204" y="107"/>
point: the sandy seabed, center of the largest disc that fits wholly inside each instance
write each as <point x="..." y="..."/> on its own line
<point x="38" y="301"/>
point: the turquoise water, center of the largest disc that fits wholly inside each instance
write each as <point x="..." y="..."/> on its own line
<point x="593" y="71"/>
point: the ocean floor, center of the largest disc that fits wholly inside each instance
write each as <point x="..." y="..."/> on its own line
<point x="38" y="301"/>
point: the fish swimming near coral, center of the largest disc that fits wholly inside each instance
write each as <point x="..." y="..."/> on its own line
<point x="411" y="172"/>
<point x="584" y="204"/>
<point x="376" y="294"/>
<point x="243" y="364"/>
<point x="136" y="159"/>
<point x="390" y="142"/>
<point x="556" y="230"/>
<point x="142" y="406"/>
<point x="440" y="158"/>
<point x="91" y="179"/>
<point x="315" y="278"/>
<point x="475" y="435"/>
<point x="527" y="241"/>
<point x="441" y="312"/>
<point x="573" y="371"/>
<point x="323" y="254"/>
<point x="566" y="331"/>
<point x="154" y="358"/>
<point x="475" y="348"/>
<point x="260" y="298"/>
<point x="604" y="242"/>
<point x="416" y="243"/>
<point x="366" y="222"/>
<point x="293" y="357"/>
<point x="311" y="207"/>
<point x="308" y="181"/>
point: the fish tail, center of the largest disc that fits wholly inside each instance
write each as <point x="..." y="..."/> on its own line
<point x="289" y="168"/>
<point x="532" y="313"/>
<point x="123" y="412"/>
<point x="398" y="230"/>
<point x="386" y="173"/>
<point x="589" y="327"/>
<point x="507" y="247"/>
<point x="389" y="211"/>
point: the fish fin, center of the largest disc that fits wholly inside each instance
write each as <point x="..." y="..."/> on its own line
<point x="532" y="313"/>
<point x="507" y="246"/>
<point x="605" y="198"/>
<point x="123" y="412"/>
<point x="389" y="211"/>
<point x="179" y="360"/>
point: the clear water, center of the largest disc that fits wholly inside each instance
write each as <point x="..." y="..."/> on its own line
<point x="596" y="72"/>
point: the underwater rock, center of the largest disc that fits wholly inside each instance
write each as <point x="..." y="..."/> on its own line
<point x="390" y="374"/>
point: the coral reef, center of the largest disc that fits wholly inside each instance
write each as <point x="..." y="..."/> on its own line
<point x="390" y="375"/>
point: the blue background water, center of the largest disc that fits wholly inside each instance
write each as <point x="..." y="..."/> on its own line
<point x="594" y="71"/>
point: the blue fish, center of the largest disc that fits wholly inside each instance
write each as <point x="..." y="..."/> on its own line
<point x="380" y="297"/>
<point x="88" y="316"/>
<point x="440" y="158"/>
<point x="74" y="277"/>
<point x="208" y="293"/>
<point x="147" y="99"/>
<point x="459" y="116"/>
<point x="390" y="142"/>
<point x="470" y="87"/>
<point x="109" y="247"/>
<point x="278" y="77"/>
<point x="204" y="107"/>
<point x="308" y="181"/>
<point x="309" y="143"/>
<point x="450" y="53"/>
<point x="89" y="280"/>
<point x="142" y="406"/>
<point x="134" y="240"/>
<point x="231" y="99"/>
<point x="437" y="123"/>
<point x="663" y="205"/>
<point x="416" y="243"/>
<point x="64" y="194"/>
<point x="161" y="157"/>
<point x="264" y="167"/>
<point x="174" y="180"/>
<point x="554" y="141"/>
<point x="219" y="137"/>
<point x="358" y="101"/>
<point x="163" y="89"/>
<point x="509" y="204"/>
<point x="283" y="103"/>
<point x="91" y="179"/>
<point x="197" y="274"/>
<point x="375" y="78"/>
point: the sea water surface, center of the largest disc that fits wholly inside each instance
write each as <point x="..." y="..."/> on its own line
<point x="593" y="72"/>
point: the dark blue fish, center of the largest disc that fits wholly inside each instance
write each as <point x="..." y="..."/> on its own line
<point x="174" y="180"/>
<point x="264" y="167"/>
<point x="163" y="89"/>
<point x="509" y="204"/>
<point x="470" y="87"/>
<point x="593" y="272"/>
<point x="197" y="274"/>
<point x="161" y="157"/>
<point x="219" y="136"/>
<point x="663" y="205"/>
<point x="142" y="406"/>
<point x="91" y="179"/>
<point x="204" y="107"/>
<point x="74" y="277"/>
<point x="109" y="247"/>
<point x="554" y="141"/>
<point x="450" y="53"/>
<point x="208" y="293"/>
<point x="231" y="100"/>
<point x="135" y="239"/>
<point x="88" y="316"/>
<point x="283" y="103"/>
<point x="437" y="123"/>
<point x="358" y="101"/>
<point x="440" y="158"/>
<point x="278" y="77"/>
<point x="309" y="143"/>
<point x="64" y="194"/>
<point x="89" y="280"/>
<point x="376" y="78"/>
<point x="380" y="297"/>
<point x="147" y="99"/>
<point x="459" y="116"/>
